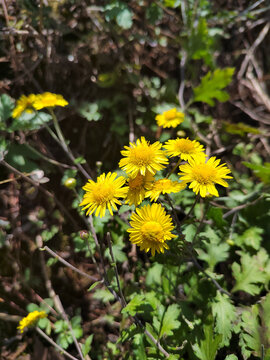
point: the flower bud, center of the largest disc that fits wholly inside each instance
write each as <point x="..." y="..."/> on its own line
<point x="70" y="183"/>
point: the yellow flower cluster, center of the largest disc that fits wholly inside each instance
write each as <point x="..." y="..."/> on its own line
<point x="34" y="102"/>
<point x="31" y="319"/>
<point x="151" y="227"/>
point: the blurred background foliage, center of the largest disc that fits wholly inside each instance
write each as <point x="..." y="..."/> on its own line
<point x="119" y="63"/>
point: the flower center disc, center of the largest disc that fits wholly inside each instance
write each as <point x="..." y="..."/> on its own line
<point x="103" y="193"/>
<point x="184" y="146"/>
<point x="152" y="231"/>
<point x="141" y="156"/>
<point x="204" y="174"/>
<point x="136" y="182"/>
<point x="170" y="114"/>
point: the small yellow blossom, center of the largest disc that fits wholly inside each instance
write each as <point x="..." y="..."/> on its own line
<point x="164" y="186"/>
<point x="170" y="118"/>
<point x="204" y="175"/>
<point x="24" y="103"/>
<point x="150" y="228"/>
<point x="137" y="186"/>
<point x="103" y="194"/>
<point x="184" y="148"/>
<point x="142" y="156"/>
<point x="47" y="100"/>
<point x="31" y="319"/>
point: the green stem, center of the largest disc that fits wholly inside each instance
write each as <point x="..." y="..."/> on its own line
<point x="62" y="141"/>
<point x="173" y="170"/>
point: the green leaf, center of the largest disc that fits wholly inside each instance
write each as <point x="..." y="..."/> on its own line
<point x="93" y="285"/>
<point x="103" y="295"/>
<point x="32" y="307"/>
<point x="30" y="121"/>
<point x="90" y="111"/>
<point x="214" y="249"/>
<point x="86" y="347"/>
<point x="255" y="327"/>
<point x="189" y="232"/>
<point x="124" y="18"/>
<point x="225" y="314"/>
<point x="261" y="171"/>
<point x="207" y="348"/>
<point x="251" y="237"/>
<point x="137" y="304"/>
<point x="249" y="276"/>
<point x="118" y="254"/>
<point x="119" y="12"/>
<point x="169" y="321"/>
<point x="231" y="357"/>
<point x="216" y="214"/>
<point x="6" y="107"/>
<point x="49" y="234"/>
<point x="154" y="274"/>
<point x="200" y="44"/>
<point x="212" y="86"/>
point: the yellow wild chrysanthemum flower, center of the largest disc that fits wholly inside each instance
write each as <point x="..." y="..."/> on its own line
<point x="31" y="319"/>
<point x="170" y="118"/>
<point x="184" y="148"/>
<point x="24" y="103"/>
<point x="103" y="194"/>
<point x="164" y="186"/>
<point x="150" y="228"/>
<point x="204" y="175"/>
<point x="136" y="188"/>
<point x="143" y="156"/>
<point x="47" y="100"/>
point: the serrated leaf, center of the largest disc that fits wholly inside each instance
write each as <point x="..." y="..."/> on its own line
<point x="212" y="86"/>
<point x="214" y="249"/>
<point x="154" y="274"/>
<point x="224" y="314"/>
<point x="129" y="333"/>
<point x="103" y="295"/>
<point x="249" y="276"/>
<point x="251" y="237"/>
<point x="207" y="348"/>
<point x="169" y="321"/>
<point x="138" y="304"/>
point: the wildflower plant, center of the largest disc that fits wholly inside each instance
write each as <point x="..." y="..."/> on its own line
<point x="157" y="233"/>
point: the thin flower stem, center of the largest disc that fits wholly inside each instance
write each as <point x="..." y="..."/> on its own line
<point x="220" y="288"/>
<point x="56" y="256"/>
<point x="62" y="141"/>
<point x="58" y="304"/>
<point x="192" y="207"/>
<point x="46" y="337"/>
<point x="173" y="170"/>
<point x="190" y="251"/>
<point x="123" y="303"/>
<point x="44" y="191"/>
<point x="51" y="161"/>
<point x="119" y="298"/>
